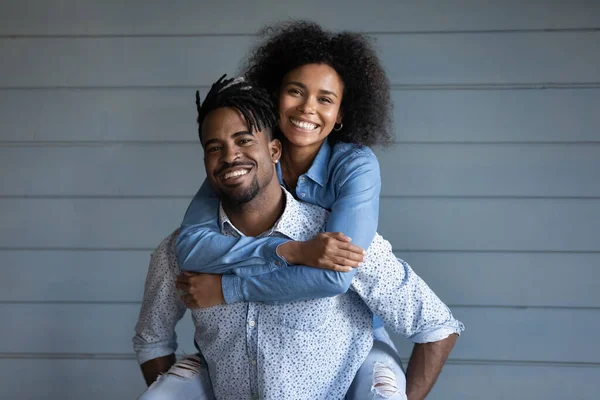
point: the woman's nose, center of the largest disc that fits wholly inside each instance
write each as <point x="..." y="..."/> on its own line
<point x="307" y="106"/>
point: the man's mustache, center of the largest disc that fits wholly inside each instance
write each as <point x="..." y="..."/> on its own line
<point x="227" y="165"/>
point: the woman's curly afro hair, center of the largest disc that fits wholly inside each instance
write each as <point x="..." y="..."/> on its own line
<point x="366" y="105"/>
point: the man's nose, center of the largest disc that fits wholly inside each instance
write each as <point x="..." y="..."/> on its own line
<point x="230" y="154"/>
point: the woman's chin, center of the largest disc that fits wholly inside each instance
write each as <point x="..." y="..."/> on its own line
<point x="304" y="140"/>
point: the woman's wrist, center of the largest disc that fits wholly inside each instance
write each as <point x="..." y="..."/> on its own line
<point x="290" y="251"/>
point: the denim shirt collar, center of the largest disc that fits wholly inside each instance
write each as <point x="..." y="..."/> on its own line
<point x="319" y="170"/>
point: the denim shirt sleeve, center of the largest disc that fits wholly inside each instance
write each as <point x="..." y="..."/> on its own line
<point x="202" y="248"/>
<point x="286" y="284"/>
<point x="355" y="211"/>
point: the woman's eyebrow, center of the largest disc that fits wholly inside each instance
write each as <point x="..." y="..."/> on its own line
<point x="303" y="86"/>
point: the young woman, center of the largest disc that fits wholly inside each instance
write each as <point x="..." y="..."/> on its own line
<point x="333" y="101"/>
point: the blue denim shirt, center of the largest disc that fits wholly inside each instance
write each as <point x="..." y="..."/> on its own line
<point x="344" y="179"/>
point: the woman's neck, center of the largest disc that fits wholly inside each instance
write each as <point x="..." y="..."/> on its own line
<point x="296" y="161"/>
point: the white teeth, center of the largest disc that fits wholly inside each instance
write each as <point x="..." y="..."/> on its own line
<point x="235" y="173"/>
<point x="303" y="125"/>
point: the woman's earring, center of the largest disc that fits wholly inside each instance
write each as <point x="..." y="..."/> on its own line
<point x="335" y="128"/>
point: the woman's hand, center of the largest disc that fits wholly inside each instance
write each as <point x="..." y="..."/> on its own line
<point x="328" y="250"/>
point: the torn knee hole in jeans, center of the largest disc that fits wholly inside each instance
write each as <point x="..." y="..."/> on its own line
<point x="186" y="368"/>
<point x="384" y="380"/>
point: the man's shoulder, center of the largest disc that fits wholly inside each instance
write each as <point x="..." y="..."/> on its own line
<point x="380" y="245"/>
<point x="311" y="210"/>
<point x="314" y="215"/>
<point x="167" y="246"/>
<point x="303" y="220"/>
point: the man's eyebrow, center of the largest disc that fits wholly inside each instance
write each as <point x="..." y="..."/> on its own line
<point x="242" y="133"/>
<point x="209" y="141"/>
<point x="303" y="86"/>
<point x="235" y="135"/>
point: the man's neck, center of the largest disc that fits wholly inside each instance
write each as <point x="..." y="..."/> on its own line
<point x="260" y="214"/>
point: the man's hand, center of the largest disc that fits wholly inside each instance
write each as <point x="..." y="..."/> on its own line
<point x="200" y="290"/>
<point x="328" y="250"/>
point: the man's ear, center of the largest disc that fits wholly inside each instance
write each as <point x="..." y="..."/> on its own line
<point x="275" y="149"/>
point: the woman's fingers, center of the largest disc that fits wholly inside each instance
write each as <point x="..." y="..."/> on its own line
<point x="345" y="262"/>
<point x="343" y="242"/>
<point x="340" y="236"/>
<point x="339" y="267"/>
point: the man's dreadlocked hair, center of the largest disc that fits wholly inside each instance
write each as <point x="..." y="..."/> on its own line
<point x="253" y="102"/>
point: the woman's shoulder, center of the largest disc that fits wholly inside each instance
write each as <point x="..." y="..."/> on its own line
<point x="351" y="156"/>
<point x="350" y="162"/>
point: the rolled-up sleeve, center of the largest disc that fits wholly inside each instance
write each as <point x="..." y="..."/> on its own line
<point x="394" y="292"/>
<point x="161" y="306"/>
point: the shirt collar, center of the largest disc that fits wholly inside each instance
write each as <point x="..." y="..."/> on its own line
<point x="225" y="224"/>
<point x="286" y="225"/>
<point x="319" y="171"/>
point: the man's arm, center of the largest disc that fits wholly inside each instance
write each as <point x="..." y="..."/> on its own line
<point x="151" y="369"/>
<point x="155" y="341"/>
<point x="425" y="365"/>
<point x="201" y="247"/>
<point x="406" y="304"/>
<point x="394" y="292"/>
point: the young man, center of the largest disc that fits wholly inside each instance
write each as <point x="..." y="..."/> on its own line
<point x="304" y="349"/>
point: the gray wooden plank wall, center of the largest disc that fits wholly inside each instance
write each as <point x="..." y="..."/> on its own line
<point x="492" y="191"/>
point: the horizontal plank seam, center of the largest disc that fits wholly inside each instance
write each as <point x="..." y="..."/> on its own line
<point x="110" y="143"/>
<point x="190" y="195"/>
<point x="489" y="197"/>
<point x="394" y="86"/>
<point x="496" y="251"/>
<point x="415" y="32"/>
<point x="451" y="361"/>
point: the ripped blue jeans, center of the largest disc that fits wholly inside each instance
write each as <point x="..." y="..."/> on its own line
<point x="381" y="376"/>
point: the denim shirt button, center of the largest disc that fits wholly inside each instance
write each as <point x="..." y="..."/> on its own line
<point x="302" y="194"/>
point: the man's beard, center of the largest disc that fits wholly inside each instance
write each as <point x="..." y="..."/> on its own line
<point x="242" y="196"/>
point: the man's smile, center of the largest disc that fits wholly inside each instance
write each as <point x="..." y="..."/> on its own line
<point x="234" y="175"/>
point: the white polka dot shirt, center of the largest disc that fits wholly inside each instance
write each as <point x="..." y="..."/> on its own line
<point x="308" y="349"/>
